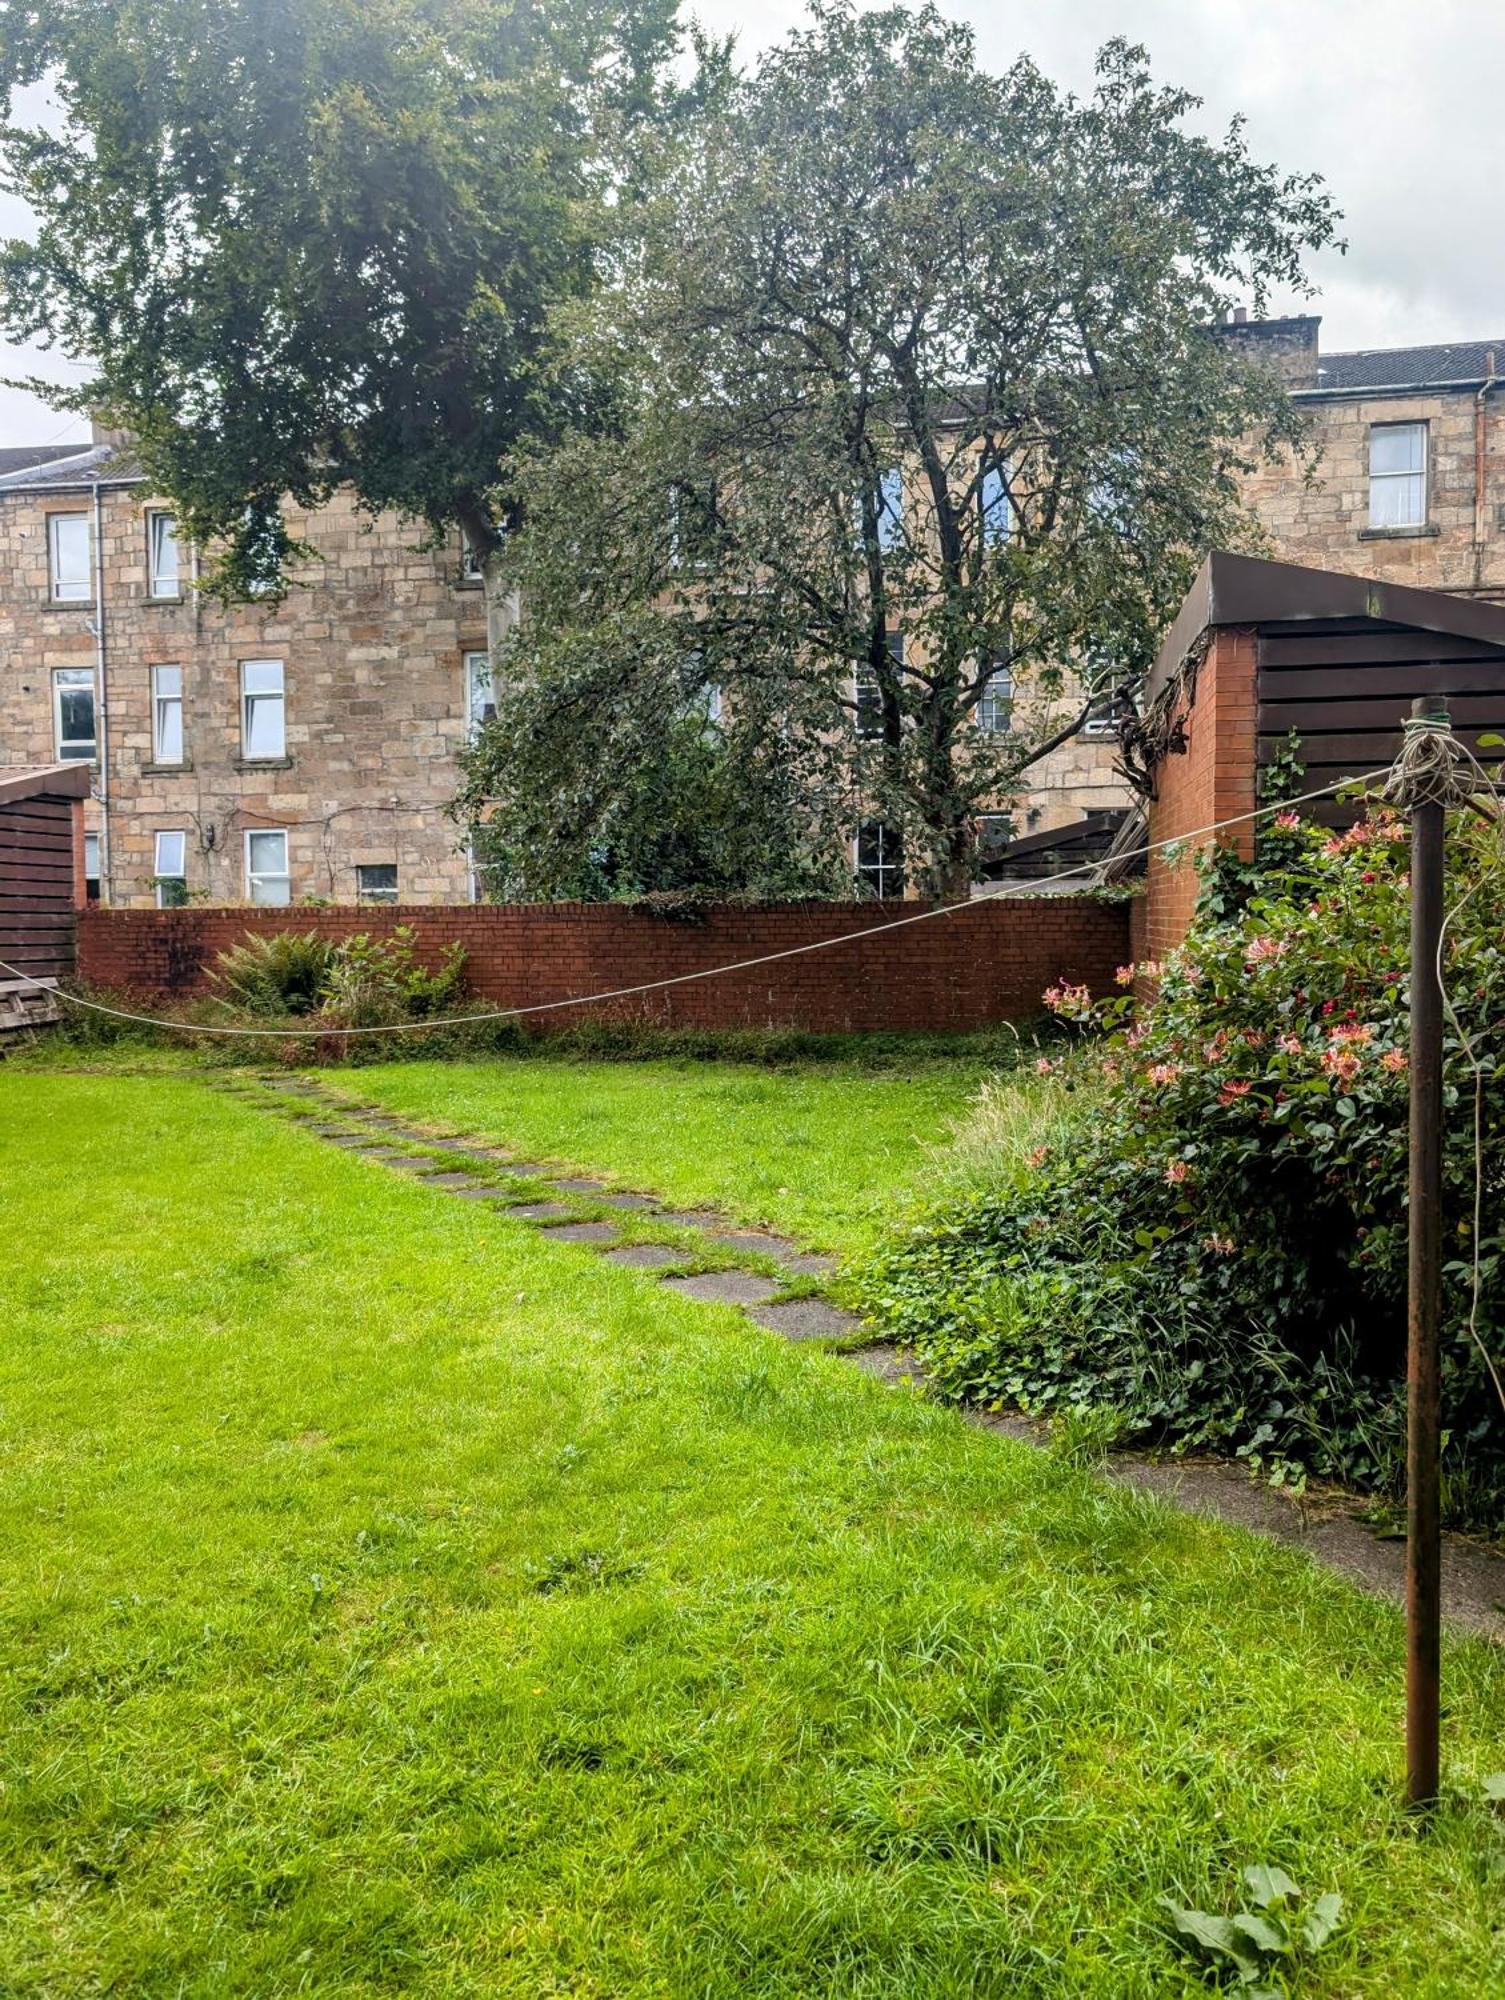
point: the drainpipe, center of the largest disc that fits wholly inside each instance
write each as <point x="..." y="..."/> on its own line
<point x="104" y="696"/>
<point x="1480" y="433"/>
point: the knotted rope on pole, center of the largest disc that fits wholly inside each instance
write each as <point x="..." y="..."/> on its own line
<point x="1433" y="768"/>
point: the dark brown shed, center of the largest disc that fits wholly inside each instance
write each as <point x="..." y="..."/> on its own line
<point x="41" y="881"/>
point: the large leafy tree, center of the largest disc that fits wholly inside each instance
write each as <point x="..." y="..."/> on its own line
<point x="912" y="350"/>
<point x="314" y="243"/>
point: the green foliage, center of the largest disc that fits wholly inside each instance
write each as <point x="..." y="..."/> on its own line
<point x="373" y="981"/>
<point x="282" y="974"/>
<point x="1221" y="1256"/>
<point x="304" y="243"/>
<point x="878" y="256"/>
<point x="600" y="788"/>
<point x="1259" y="1943"/>
<point x="362" y="981"/>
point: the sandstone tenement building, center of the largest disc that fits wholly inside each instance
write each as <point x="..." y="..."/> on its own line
<point x="306" y="749"/>
<point x="1410" y="484"/>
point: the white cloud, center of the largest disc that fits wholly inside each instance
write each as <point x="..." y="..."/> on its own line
<point x="1397" y="106"/>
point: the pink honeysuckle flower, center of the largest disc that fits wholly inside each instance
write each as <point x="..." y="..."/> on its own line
<point x="1220" y="1246"/>
<point x="1164" y="1072"/>
<point x="1290" y="1045"/>
<point x="1124" y="975"/>
<point x="1288" y="822"/>
<point x="1341" y="1064"/>
<point x="1232" y="1092"/>
<point x="1396" y="1061"/>
<point x="1177" y="1171"/>
<point x="1043" y="1066"/>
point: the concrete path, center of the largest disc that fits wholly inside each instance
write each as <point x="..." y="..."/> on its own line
<point x="1326" y="1526"/>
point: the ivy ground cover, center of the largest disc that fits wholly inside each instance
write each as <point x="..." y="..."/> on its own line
<point x="392" y="1600"/>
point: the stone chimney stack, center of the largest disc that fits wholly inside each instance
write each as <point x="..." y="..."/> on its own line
<point x="1289" y="346"/>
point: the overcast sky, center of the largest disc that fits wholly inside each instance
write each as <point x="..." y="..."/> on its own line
<point x="1401" y="107"/>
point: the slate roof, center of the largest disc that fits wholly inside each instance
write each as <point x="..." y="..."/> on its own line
<point x="82" y="465"/>
<point x="18" y="457"/>
<point x="1404" y="367"/>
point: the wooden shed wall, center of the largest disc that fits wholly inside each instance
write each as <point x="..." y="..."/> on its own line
<point x="1345" y="686"/>
<point x="38" y="919"/>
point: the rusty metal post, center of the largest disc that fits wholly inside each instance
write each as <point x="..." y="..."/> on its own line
<point x="1424" y="1302"/>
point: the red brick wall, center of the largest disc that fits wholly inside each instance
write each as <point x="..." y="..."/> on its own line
<point x="1212" y="781"/>
<point x="984" y="964"/>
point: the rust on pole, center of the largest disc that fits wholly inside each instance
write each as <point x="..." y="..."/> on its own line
<point x="1424" y="1298"/>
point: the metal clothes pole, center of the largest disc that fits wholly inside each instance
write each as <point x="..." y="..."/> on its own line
<point x="1424" y="1302"/>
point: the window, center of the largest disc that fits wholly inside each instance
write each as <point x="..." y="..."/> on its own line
<point x="68" y="561"/>
<point x="91" y="867"/>
<point x="376" y="882"/>
<point x="1102" y="718"/>
<point x="167" y="715"/>
<point x="880" y="859"/>
<point x="162" y="553"/>
<point x="868" y="693"/>
<point x="73" y="713"/>
<point x="891" y="508"/>
<point x="263" y="732"/>
<point x="171" y="870"/>
<point x="479" y="694"/>
<point x="993" y="503"/>
<point x="995" y="705"/>
<point x="1397" y="475"/>
<point x="470" y="562"/>
<point x="267" y="877"/>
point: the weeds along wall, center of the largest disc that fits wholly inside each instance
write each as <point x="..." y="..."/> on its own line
<point x="989" y="962"/>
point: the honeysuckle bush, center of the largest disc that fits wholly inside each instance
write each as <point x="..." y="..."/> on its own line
<point x="1219" y="1252"/>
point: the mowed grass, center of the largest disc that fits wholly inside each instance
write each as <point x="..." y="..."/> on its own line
<point x="392" y="1601"/>
<point x="829" y="1152"/>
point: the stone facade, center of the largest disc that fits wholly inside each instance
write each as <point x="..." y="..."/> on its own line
<point x="372" y="641"/>
<point x="1458" y="544"/>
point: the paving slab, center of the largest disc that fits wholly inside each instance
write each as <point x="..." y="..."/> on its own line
<point x="582" y="1232"/>
<point x="577" y="1184"/>
<point x="455" y="1181"/>
<point x="644" y="1256"/>
<point x="636" y="1201"/>
<point x="477" y="1191"/>
<point x="539" y="1211"/>
<point x="894" y="1365"/>
<point x="724" y="1288"/>
<point x="688" y="1218"/>
<point x="806" y="1319"/>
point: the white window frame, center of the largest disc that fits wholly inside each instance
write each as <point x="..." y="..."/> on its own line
<point x="365" y="897"/>
<point x="257" y="877"/>
<point x="1101" y="728"/>
<point x="92" y="855"/>
<point x="891" y="508"/>
<point x="1411" y="485"/>
<point x="72" y="589"/>
<point x="874" y="875"/>
<point x="994" y="714"/>
<point x="477" y="674"/>
<point x="995" y="507"/>
<point x="76" y="749"/>
<point x="162" y="527"/>
<point x="250" y="698"/>
<point x="165" y="700"/>
<point x="161" y="874"/>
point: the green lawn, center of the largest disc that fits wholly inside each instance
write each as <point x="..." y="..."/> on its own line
<point x="393" y="1601"/>
<point x="828" y="1152"/>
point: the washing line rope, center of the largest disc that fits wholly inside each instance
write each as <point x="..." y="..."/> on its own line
<point x="1004" y="893"/>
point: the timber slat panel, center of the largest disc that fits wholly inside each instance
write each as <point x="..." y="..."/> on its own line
<point x="1364" y="751"/>
<point x="1362" y="650"/>
<point x="1482" y="677"/>
<point x="1314" y="718"/>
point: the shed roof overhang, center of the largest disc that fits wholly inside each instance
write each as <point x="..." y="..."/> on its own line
<point x="38" y="781"/>
<point x="1246" y="590"/>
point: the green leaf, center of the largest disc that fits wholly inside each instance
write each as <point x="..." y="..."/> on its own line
<point x="1269" y="1885"/>
<point x="1491" y="741"/>
<point x="1319" y="1923"/>
<point x="1262" y="1933"/>
<point x="1493" y="1787"/>
<point x="1217" y="1935"/>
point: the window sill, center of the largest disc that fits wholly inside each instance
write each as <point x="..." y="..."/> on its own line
<point x="67" y="603"/>
<point x="166" y="597"/>
<point x="263" y="763"/>
<point x="1428" y="531"/>
<point x="166" y="770"/>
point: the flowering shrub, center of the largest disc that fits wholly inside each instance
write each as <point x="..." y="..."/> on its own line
<point x="1222" y="1256"/>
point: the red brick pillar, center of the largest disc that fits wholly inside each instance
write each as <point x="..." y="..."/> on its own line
<point x="1214" y="779"/>
<point x="80" y="880"/>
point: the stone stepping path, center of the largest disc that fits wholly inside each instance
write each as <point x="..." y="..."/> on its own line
<point x="1329" y="1531"/>
<point x="386" y="1140"/>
